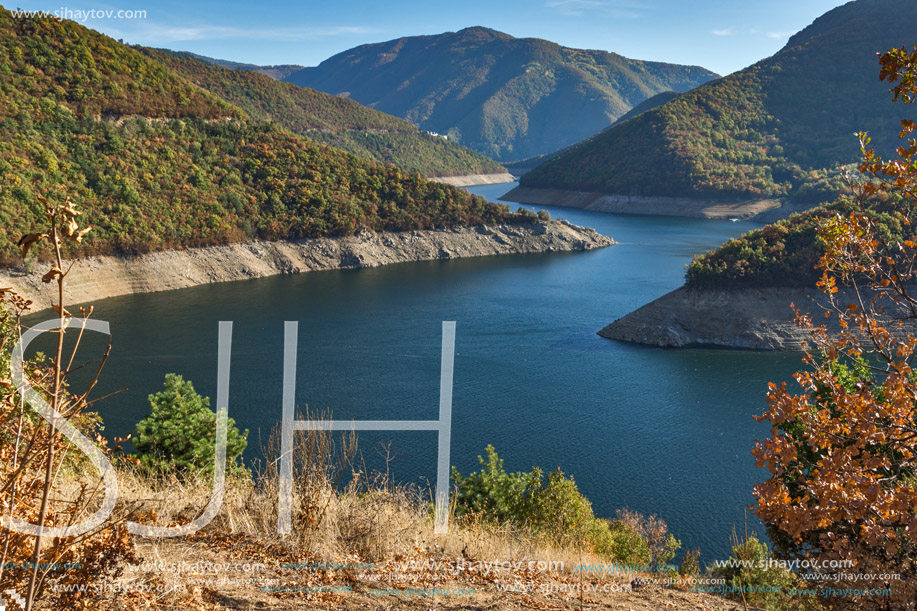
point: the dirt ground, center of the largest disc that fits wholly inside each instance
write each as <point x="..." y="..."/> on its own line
<point x="217" y="571"/>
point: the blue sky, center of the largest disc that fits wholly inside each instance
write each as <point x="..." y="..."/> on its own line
<point x="722" y="35"/>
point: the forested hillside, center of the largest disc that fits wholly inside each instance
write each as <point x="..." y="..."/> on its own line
<point x="156" y="162"/>
<point x="784" y="253"/>
<point x="334" y="120"/>
<point x="508" y="98"/>
<point x="279" y="71"/>
<point x="657" y="100"/>
<point x="780" y="128"/>
<point x="649" y="104"/>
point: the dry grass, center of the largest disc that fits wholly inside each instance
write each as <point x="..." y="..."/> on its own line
<point x="372" y="528"/>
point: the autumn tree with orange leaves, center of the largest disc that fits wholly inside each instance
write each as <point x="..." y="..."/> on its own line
<point x="843" y="453"/>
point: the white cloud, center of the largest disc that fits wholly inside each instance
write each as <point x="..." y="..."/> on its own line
<point x="752" y="32"/>
<point x="620" y="9"/>
<point x="786" y="34"/>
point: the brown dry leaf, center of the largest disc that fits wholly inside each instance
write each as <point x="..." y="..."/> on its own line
<point x="53" y="274"/>
<point x="70" y="227"/>
<point x="26" y="241"/>
<point x="78" y="236"/>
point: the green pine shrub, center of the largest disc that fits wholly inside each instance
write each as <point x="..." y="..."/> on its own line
<point x="179" y="434"/>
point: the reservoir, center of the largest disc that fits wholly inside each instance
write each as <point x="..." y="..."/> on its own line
<point x="655" y="430"/>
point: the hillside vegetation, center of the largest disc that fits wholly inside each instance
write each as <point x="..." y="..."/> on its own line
<point x="279" y="71"/>
<point x="326" y="118"/>
<point x="648" y="104"/>
<point x="157" y="162"/>
<point x="657" y="100"/>
<point x="780" y="128"/>
<point x="784" y="253"/>
<point x="508" y="98"/>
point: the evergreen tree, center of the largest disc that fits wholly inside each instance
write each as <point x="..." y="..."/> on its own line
<point x="179" y="434"/>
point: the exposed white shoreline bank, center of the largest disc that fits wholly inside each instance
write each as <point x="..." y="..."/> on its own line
<point x="636" y="204"/>
<point x="472" y="180"/>
<point x="96" y="278"/>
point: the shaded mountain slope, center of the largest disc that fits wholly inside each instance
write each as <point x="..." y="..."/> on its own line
<point x="509" y="98"/>
<point x="780" y="128"/>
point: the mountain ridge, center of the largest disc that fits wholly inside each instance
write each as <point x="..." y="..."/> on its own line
<point x="276" y="71"/>
<point x="780" y="128"/>
<point x="506" y="97"/>
<point x="332" y="120"/>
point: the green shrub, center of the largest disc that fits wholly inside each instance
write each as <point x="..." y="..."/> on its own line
<point x="620" y="542"/>
<point x="661" y="544"/>
<point x="180" y="432"/>
<point x="554" y="508"/>
<point x="493" y="493"/>
<point x="690" y="564"/>
<point x="760" y="580"/>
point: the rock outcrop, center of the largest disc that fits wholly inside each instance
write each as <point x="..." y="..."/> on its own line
<point x="758" y="319"/>
<point x="97" y="278"/>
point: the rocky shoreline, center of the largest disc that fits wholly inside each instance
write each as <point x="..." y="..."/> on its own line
<point x="750" y="318"/>
<point x="635" y="204"/>
<point x="96" y="278"/>
<point x="472" y="180"/>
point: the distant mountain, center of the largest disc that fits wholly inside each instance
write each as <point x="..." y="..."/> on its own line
<point x="649" y="104"/>
<point x="508" y="98"/>
<point x="278" y="72"/>
<point x="657" y="100"/>
<point x="156" y="162"/>
<point x="330" y="119"/>
<point x="776" y="129"/>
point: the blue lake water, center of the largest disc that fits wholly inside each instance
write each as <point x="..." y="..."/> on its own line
<point x="655" y="430"/>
